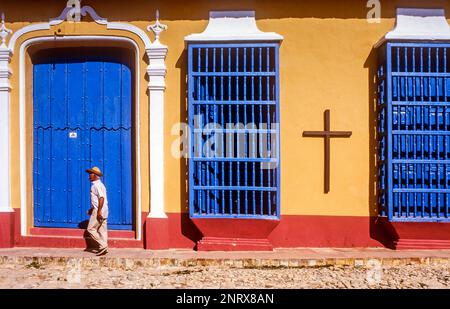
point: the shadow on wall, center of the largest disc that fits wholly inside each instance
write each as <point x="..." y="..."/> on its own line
<point x="188" y="229"/>
<point x="144" y="10"/>
<point x="376" y="230"/>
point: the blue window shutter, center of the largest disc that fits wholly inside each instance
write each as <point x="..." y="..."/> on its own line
<point x="414" y="131"/>
<point x="234" y="170"/>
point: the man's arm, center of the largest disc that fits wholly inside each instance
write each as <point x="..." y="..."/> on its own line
<point x="101" y="200"/>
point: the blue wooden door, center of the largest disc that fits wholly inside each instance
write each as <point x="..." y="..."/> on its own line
<point x="82" y="118"/>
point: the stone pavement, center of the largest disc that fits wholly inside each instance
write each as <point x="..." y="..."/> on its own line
<point x="283" y="268"/>
<point x="303" y="257"/>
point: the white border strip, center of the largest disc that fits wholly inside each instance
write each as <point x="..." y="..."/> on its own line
<point x="23" y="169"/>
<point x="418" y="24"/>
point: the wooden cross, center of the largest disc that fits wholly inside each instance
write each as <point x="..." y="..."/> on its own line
<point x="327" y="134"/>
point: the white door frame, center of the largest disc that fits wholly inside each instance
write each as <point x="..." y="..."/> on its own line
<point x="156" y="70"/>
<point x="24" y="172"/>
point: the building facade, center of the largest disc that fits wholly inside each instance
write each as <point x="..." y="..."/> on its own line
<point x="245" y="125"/>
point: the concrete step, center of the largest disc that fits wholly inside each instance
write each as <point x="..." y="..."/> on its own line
<point x="295" y="258"/>
<point x="45" y="241"/>
<point x="39" y="231"/>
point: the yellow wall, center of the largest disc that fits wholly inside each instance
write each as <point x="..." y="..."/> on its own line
<point x="326" y="61"/>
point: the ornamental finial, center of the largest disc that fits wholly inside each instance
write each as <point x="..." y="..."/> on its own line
<point x="4" y="32"/>
<point x="157" y="27"/>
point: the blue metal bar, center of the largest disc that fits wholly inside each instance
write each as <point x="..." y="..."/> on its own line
<point x="223" y="159"/>
<point x="423" y="177"/>
<point x="425" y="219"/>
<point x="389" y="172"/>
<point x="222" y="124"/>
<point x="235" y="188"/>
<point x="424" y="132"/>
<point x="437" y="60"/>
<point x="245" y="135"/>
<point x="260" y="135"/>
<point x="191" y="117"/>
<point x="277" y="121"/>
<point x="407" y="180"/>
<point x="419" y="104"/>
<point x="235" y="216"/>
<point x="233" y="45"/>
<point x="445" y="144"/>
<point x="406" y="58"/>
<point x="420" y="161"/>
<point x="428" y="59"/>
<point x="207" y="114"/>
<point x="196" y="102"/>
<point x="253" y="135"/>
<point x="413" y="44"/>
<point x="269" y="206"/>
<point x="230" y="165"/>
<point x="426" y="190"/>
<point x="234" y="74"/>
<point x="238" y="170"/>
<point x="216" y="167"/>
<point x="201" y="167"/>
<point x="419" y="74"/>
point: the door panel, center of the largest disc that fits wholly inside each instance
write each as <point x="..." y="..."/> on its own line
<point x="82" y="118"/>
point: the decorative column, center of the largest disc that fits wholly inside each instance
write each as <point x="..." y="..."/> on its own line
<point x="157" y="226"/>
<point x="156" y="86"/>
<point x="6" y="211"/>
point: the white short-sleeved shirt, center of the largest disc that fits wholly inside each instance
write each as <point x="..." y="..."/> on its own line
<point x="98" y="190"/>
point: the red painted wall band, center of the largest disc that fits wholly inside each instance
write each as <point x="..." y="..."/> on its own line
<point x="179" y="231"/>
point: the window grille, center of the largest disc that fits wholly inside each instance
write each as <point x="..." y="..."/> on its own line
<point x="414" y="131"/>
<point x="233" y="116"/>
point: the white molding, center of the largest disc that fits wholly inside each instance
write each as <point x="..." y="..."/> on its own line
<point x="232" y="26"/>
<point x="117" y="25"/>
<point x="156" y="71"/>
<point x="62" y="17"/>
<point x="24" y="30"/>
<point x="99" y="20"/>
<point x="157" y="27"/>
<point x="419" y="24"/>
<point x="23" y="169"/>
<point x="84" y="11"/>
<point x="4" y="32"/>
<point x="5" y="150"/>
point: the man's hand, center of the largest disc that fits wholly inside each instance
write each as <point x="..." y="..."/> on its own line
<point x="89" y="212"/>
<point x="99" y="216"/>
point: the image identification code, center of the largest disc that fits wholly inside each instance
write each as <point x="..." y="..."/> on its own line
<point x="226" y="298"/>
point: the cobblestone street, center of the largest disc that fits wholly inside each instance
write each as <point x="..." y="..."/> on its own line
<point x="73" y="275"/>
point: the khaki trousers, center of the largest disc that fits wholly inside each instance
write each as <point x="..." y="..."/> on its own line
<point x="98" y="231"/>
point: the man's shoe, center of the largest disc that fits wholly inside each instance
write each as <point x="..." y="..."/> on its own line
<point x="92" y="250"/>
<point x="102" y="251"/>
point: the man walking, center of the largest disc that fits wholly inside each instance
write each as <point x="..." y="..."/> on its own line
<point x="97" y="226"/>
